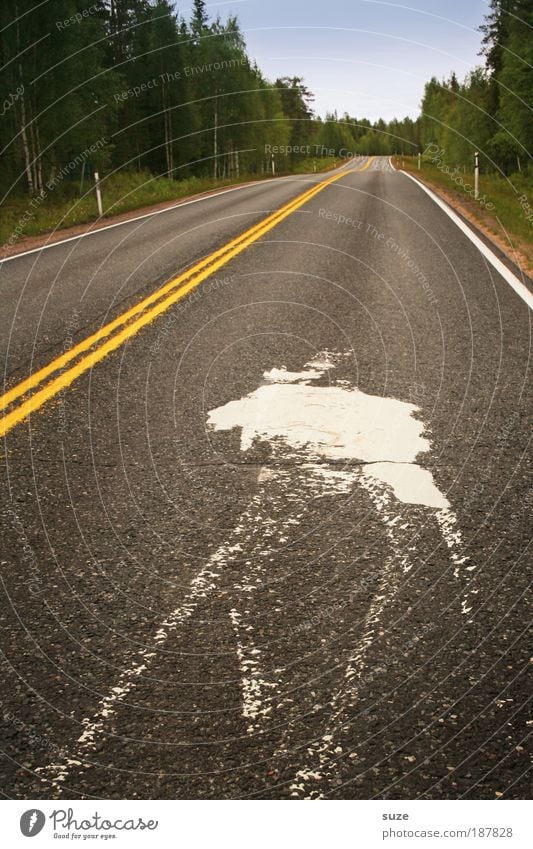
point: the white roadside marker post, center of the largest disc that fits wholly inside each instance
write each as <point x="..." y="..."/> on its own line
<point x="98" y="194"/>
<point x="273" y="166"/>
<point x="476" y="175"/>
<point x="419" y="160"/>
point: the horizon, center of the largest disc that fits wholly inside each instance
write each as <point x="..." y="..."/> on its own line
<point x="398" y="55"/>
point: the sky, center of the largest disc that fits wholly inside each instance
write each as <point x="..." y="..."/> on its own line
<point x="369" y="58"/>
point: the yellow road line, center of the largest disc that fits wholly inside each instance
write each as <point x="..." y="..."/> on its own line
<point x="190" y="280"/>
<point x="367" y="163"/>
<point x="37" y="377"/>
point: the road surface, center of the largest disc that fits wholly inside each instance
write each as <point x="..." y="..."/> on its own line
<point x="272" y="541"/>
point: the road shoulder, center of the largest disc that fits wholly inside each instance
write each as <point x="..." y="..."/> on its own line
<point x="513" y="255"/>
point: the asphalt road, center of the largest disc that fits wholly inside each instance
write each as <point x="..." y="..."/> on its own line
<point x="189" y="615"/>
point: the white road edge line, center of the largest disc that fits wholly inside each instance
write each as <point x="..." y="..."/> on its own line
<point x="158" y="212"/>
<point x="138" y="218"/>
<point x="521" y="290"/>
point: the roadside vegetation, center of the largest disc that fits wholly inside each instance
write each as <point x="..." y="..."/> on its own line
<point x="503" y="207"/>
<point x="121" y="192"/>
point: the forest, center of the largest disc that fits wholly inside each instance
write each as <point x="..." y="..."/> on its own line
<point x="130" y="86"/>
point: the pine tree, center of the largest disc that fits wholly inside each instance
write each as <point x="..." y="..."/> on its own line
<point x="65" y="91"/>
<point x="516" y="79"/>
<point x="199" y="19"/>
<point x="296" y="101"/>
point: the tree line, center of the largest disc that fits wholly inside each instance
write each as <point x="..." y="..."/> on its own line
<point x="491" y="110"/>
<point x="129" y="84"/>
<point x="132" y="85"/>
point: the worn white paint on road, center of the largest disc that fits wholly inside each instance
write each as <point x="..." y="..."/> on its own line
<point x="341" y="438"/>
<point x="331" y="424"/>
<point x="252" y="543"/>
<point x="205" y="583"/>
<point x="336" y="423"/>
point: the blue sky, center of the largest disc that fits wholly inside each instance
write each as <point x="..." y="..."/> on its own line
<point x="368" y="57"/>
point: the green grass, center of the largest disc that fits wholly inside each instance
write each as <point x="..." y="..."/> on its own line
<point x="507" y="216"/>
<point x="121" y="192"/>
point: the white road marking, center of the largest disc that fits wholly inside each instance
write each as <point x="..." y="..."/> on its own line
<point x="214" y="194"/>
<point x="323" y="756"/>
<point x="336" y="423"/>
<point x="201" y="587"/>
<point x="410" y="483"/>
<point x="280" y="489"/>
<point x="521" y="290"/>
<point x="97" y="230"/>
<point x="321" y="426"/>
<point x="253" y="541"/>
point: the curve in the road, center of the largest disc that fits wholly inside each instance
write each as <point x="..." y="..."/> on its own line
<point x="161" y="300"/>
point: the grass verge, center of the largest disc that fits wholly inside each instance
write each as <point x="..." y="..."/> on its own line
<point x="121" y="192"/>
<point x="502" y="210"/>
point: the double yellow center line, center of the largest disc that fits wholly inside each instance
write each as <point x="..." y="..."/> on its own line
<point x="83" y="356"/>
